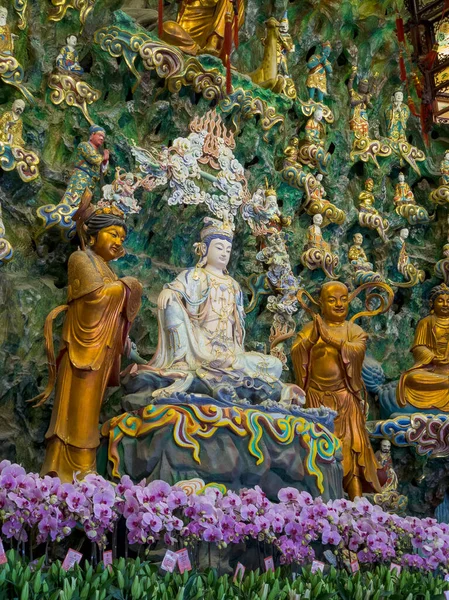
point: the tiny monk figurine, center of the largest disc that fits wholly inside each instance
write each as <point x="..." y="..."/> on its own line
<point x="100" y="309"/>
<point x="327" y="358"/>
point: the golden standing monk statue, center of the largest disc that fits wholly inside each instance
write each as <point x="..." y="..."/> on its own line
<point x="100" y="309"/>
<point x="327" y="357"/>
<point x="426" y="384"/>
<point x="200" y="26"/>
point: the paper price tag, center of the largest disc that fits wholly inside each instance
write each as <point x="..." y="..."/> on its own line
<point x="170" y="561"/>
<point x="3" y="559"/>
<point x="184" y="560"/>
<point x="317" y="566"/>
<point x="107" y="559"/>
<point x="395" y="567"/>
<point x="239" y="572"/>
<point x="71" y="558"/>
<point x="269" y="563"/>
<point x="355" y="566"/>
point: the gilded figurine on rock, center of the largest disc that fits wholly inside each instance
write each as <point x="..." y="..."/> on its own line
<point x="11" y="71"/>
<point x="273" y="72"/>
<point x="66" y="82"/>
<point x="363" y="147"/>
<point x="317" y="252"/>
<point x="411" y="273"/>
<point x="369" y="216"/>
<point x="363" y="270"/>
<point x="397" y="115"/>
<point x="311" y="150"/>
<point x="327" y="358"/>
<point x="91" y="161"/>
<point x="426" y="384"/>
<point x="406" y="205"/>
<point x="99" y="312"/>
<point x="13" y="154"/>
<point x="320" y="69"/>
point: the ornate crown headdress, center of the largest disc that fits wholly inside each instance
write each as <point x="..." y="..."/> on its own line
<point x="217" y="227"/>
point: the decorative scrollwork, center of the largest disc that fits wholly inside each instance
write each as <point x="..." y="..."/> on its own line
<point x="428" y="434"/>
<point x="413" y="213"/>
<point x="407" y="152"/>
<point x="20" y="7"/>
<point x="72" y="91"/>
<point x="15" y="157"/>
<point x="60" y="216"/>
<point x="168" y="62"/>
<point x="373" y="220"/>
<point x="11" y="72"/>
<point x="84" y="7"/>
<point x="314" y="258"/>
<point x="249" y="107"/>
<point x="308" y="108"/>
<point x="440" y="196"/>
<point x="365" y="149"/>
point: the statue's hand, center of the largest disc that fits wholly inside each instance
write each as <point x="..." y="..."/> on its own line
<point x="315" y="334"/>
<point x="164" y="299"/>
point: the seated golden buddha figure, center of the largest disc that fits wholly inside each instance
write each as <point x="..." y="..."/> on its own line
<point x="327" y="358"/>
<point x="200" y="25"/>
<point x="426" y="384"/>
<point x="202" y="330"/>
<point x="100" y="309"/>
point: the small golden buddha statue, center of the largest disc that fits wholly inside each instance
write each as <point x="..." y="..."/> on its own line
<point x="327" y="358"/>
<point x="200" y="25"/>
<point x="100" y="308"/>
<point x="291" y="153"/>
<point x="6" y="37"/>
<point x="356" y="252"/>
<point x="11" y="125"/>
<point x="406" y="205"/>
<point x="426" y="384"/>
<point x="366" y="196"/>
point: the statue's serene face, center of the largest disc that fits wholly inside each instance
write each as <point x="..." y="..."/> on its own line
<point x="369" y="185"/>
<point x="441" y="305"/>
<point x="404" y="233"/>
<point x="318" y="115"/>
<point x="71" y="40"/>
<point x="401" y="177"/>
<point x="326" y="51"/>
<point x="219" y="253"/>
<point x="358" y="239"/>
<point x="317" y="219"/>
<point x="109" y="242"/>
<point x="3" y="17"/>
<point x="398" y="97"/>
<point x="334" y="302"/>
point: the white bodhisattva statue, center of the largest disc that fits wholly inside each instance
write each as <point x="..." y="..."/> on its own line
<point x="202" y="328"/>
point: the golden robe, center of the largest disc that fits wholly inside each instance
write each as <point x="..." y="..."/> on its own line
<point x="426" y="384"/>
<point x="11" y="129"/>
<point x="6" y="41"/>
<point x="101" y="308"/>
<point x="200" y="19"/>
<point x="333" y="377"/>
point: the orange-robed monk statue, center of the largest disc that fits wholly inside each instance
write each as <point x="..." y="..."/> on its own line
<point x="327" y="357"/>
<point x="100" y="309"/>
